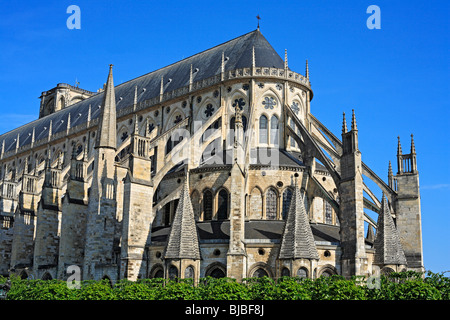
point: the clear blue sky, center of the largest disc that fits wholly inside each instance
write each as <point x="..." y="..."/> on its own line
<point x="396" y="78"/>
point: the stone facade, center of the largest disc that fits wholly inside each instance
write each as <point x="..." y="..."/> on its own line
<point x="209" y="167"/>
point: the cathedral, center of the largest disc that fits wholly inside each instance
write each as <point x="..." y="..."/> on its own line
<point x="212" y="166"/>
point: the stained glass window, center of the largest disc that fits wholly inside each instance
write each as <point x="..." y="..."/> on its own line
<point x="207" y="205"/>
<point x="271" y="204"/>
<point x="263" y="129"/>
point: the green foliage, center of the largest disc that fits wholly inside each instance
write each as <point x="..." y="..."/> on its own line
<point x="395" y="286"/>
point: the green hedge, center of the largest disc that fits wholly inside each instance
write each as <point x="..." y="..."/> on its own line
<point x="397" y="286"/>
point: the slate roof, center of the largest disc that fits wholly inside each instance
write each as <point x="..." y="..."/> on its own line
<point x="237" y="52"/>
<point x="297" y="241"/>
<point x="254" y="229"/>
<point x="388" y="249"/>
<point x="183" y="237"/>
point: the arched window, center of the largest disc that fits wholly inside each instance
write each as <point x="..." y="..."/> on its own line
<point x="222" y="206"/>
<point x="256" y="204"/>
<point x="166" y="214"/>
<point x="47" y="276"/>
<point x="259" y="273"/>
<point x="263" y="129"/>
<point x="189" y="273"/>
<point x="271" y="204"/>
<point x="285" y="272"/>
<point x="61" y="103"/>
<point x="302" y="273"/>
<point x="207" y="205"/>
<point x="274" y="131"/>
<point x="169" y="145"/>
<point x="292" y="125"/>
<point x="217" y="273"/>
<point x="216" y="270"/>
<point x="326" y="274"/>
<point x="287" y="196"/>
<point x="173" y="272"/>
<point x="158" y="272"/>
<point x="328" y="213"/>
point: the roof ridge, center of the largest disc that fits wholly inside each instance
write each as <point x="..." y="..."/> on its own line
<point x="190" y="57"/>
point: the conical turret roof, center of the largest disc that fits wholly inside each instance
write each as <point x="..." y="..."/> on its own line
<point x="183" y="236"/>
<point x="388" y="249"/>
<point x="298" y="240"/>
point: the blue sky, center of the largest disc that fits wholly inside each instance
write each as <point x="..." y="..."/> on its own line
<point x="396" y="78"/>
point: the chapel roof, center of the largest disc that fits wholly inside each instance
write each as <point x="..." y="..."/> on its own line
<point x="238" y="54"/>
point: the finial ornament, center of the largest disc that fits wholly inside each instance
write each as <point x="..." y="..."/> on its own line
<point x="307" y="70"/>
<point x="259" y="18"/>
<point x="354" y="120"/>
<point x="413" y="147"/>
<point x="399" y="146"/>
<point x="344" y="124"/>
<point x="285" y="59"/>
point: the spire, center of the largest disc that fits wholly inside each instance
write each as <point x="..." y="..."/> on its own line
<point x="297" y="241"/>
<point x="68" y="124"/>
<point x="354" y="120"/>
<point x="106" y="137"/>
<point x="33" y="135"/>
<point x="191" y="78"/>
<point x="390" y="176"/>
<point x="161" y="90"/>
<point x="399" y="147"/>
<point x="25" y="166"/>
<point x="135" y="98"/>
<point x="413" y="147"/>
<point x="344" y="124"/>
<point x="147" y="127"/>
<point x="307" y="70"/>
<point x="388" y="249"/>
<point x="285" y="59"/>
<point x="136" y="127"/>
<point x="222" y="64"/>
<point x="89" y="116"/>
<point x="183" y="237"/>
<point x="253" y="57"/>
<point x="370" y="235"/>
<point x="50" y="129"/>
<point x="18" y="139"/>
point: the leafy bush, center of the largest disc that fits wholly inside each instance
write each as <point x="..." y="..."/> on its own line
<point x="396" y="286"/>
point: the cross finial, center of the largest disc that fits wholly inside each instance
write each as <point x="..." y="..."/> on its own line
<point x="259" y="18"/>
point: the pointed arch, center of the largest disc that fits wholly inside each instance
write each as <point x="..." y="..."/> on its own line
<point x="207" y="205"/>
<point x="223" y="199"/>
<point x="274" y="130"/>
<point x="256" y="203"/>
<point x="263" y="129"/>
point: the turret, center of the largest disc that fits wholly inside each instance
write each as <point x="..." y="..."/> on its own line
<point x="354" y="260"/>
<point x="407" y="206"/>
